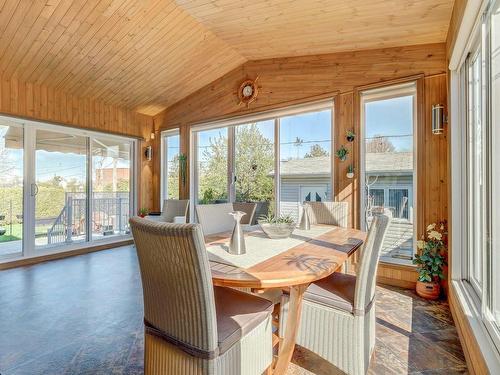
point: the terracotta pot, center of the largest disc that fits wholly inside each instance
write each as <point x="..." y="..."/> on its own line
<point x="428" y="290"/>
<point x="142" y="215"/>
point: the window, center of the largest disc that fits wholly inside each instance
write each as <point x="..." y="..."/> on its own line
<point x="388" y="166"/>
<point x="236" y="161"/>
<point x="478" y="264"/>
<point x="171" y="165"/>
<point x="61" y="187"/>
<point x="305" y="160"/>
<point x="494" y="253"/>
<point x="212" y="166"/>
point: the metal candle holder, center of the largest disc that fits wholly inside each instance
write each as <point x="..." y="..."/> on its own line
<point x="305" y="224"/>
<point x="237" y="242"/>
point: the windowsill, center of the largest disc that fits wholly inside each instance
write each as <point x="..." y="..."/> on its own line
<point x="73" y="249"/>
<point x="468" y="303"/>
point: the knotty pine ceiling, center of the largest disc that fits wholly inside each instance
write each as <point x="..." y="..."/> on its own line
<point x="146" y="55"/>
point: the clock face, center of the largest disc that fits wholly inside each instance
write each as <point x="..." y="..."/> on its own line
<point x="247" y="91"/>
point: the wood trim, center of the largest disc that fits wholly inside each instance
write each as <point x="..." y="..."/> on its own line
<point x="61" y="255"/>
<point x="473" y="356"/>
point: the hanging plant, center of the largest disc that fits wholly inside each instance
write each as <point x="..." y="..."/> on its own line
<point x="349" y="134"/>
<point x="350" y="171"/>
<point x="342" y="153"/>
<point x="183" y="167"/>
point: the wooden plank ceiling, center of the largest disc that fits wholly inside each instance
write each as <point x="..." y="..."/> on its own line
<point x="146" y="55"/>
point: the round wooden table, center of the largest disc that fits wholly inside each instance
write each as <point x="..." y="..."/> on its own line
<point x="293" y="269"/>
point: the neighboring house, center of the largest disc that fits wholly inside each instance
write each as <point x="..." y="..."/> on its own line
<point x="389" y="181"/>
<point x="110" y="176"/>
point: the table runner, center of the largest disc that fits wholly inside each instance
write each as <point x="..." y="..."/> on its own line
<point x="260" y="247"/>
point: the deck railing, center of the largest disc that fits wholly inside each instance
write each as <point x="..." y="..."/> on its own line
<point x="110" y="213"/>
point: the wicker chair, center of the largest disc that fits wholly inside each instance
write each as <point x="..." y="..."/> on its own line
<point x="332" y="213"/>
<point x="248" y="208"/>
<point x="192" y="327"/>
<point x="173" y="208"/>
<point x="338" y="312"/>
<point x="215" y="218"/>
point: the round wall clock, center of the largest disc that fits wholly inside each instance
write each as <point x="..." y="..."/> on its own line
<point x="247" y="92"/>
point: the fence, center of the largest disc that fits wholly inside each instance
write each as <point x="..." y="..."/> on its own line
<point x="110" y="214"/>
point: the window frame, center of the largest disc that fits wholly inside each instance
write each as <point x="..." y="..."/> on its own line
<point x="164" y="135"/>
<point x="477" y="303"/>
<point x="231" y="123"/>
<point x="386" y="92"/>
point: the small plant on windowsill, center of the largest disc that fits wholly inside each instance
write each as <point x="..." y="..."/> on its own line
<point x="431" y="260"/>
<point x="143" y="212"/>
<point x="342" y="153"/>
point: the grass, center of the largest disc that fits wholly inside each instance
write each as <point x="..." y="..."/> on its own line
<point x="17" y="232"/>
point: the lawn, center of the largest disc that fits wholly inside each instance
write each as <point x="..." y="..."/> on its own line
<point x="17" y="232"/>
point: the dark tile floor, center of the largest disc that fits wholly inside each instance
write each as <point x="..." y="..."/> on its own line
<point x="83" y="315"/>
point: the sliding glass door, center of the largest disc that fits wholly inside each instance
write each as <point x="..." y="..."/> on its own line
<point x="110" y="187"/>
<point x="61" y="187"/>
<point x="60" y="190"/>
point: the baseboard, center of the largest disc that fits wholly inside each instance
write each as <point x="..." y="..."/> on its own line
<point x="61" y="255"/>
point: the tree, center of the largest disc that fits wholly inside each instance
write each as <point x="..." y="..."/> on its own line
<point x="379" y="144"/>
<point x="254" y="160"/>
<point x="316" y="152"/>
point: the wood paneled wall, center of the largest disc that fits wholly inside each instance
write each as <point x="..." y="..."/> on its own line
<point x="37" y="102"/>
<point x="287" y="81"/>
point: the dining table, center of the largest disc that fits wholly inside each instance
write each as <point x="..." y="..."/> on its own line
<point x="289" y="264"/>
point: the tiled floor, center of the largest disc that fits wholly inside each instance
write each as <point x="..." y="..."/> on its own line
<point x="83" y="315"/>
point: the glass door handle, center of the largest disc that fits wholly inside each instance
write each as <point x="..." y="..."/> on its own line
<point x="34" y="190"/>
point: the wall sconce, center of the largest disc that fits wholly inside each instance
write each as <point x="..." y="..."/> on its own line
<point x="148" y="153"/>
<point x="438" y="119"/>
<point x="152" y="136"/>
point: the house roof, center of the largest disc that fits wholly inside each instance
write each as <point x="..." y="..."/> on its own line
<point x="381" y="163"/>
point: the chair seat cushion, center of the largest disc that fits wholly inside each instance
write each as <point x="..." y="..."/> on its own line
<point x="336" y="291"/>
<point x="238" y="313"/>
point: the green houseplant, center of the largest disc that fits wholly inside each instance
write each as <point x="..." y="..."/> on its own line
<point x="276" y="227"/>
<point x="431" y="260"/>
<point x="350" y="171"/>
<point x="143" y="212"/>
<point x="350" y="136"/>
<point x="342" y="153"/>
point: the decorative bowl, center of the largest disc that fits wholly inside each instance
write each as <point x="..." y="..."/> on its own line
<point x="277" y="230"/>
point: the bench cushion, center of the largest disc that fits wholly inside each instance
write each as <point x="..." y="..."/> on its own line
<point x="238" y="313"/>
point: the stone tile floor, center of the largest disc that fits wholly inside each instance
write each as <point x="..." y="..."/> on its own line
<point x="83" y="315"/>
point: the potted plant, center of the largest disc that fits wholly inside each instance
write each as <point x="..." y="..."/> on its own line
<point x="430" y="261"/>
<point x="350" y="136"/>
<point x="350" y="171"/>
<point x="276" y="227"/>
<point x="143" y="212"/>
<point x="342" y="153"/>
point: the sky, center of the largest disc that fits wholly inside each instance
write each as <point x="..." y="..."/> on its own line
<point x="48" y="164"/>
<point x="392" y="118"/>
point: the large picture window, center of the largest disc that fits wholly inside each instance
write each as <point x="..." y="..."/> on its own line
<point x="278" y="160"/>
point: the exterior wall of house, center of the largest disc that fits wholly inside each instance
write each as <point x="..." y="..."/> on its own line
<point x="291" y="189"/>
